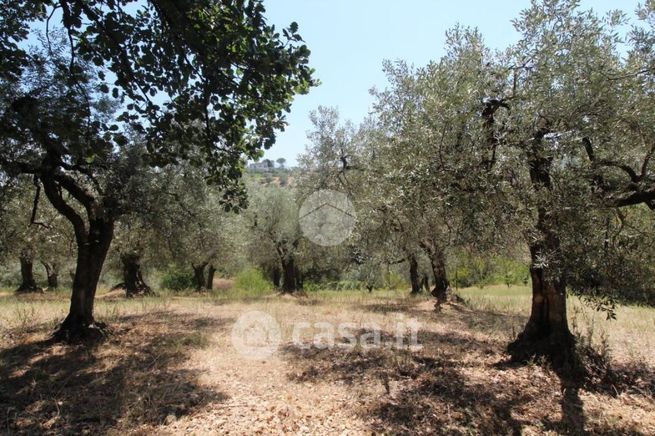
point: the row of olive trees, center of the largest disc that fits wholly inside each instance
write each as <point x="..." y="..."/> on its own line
<point x="549" y="141"/>
<point x="177" y="221"/>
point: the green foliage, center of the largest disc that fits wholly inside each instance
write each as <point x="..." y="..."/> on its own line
<point x="469" y="270"/>
<point x="177" y="279"/>
<point x="10" y="274"/>
<point x="193" y="73"/>
<point x="394" y="281"/>
<point x="252" y="281"/>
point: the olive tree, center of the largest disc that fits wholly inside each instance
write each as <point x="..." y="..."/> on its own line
<point x="192" y="229"/>
<point x="276" y="240"/>
<point x="574" y="132"/>
<point x="202" y="81"/>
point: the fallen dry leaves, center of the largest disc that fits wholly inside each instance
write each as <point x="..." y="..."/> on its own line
<point x="174" y="371"/>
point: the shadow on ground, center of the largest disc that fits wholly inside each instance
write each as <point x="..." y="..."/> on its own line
<point x="457" y="384"/>
<point x="136" y="378"/>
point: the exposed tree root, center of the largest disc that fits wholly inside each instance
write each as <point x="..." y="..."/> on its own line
<point x="76" y="332"/>
<point x="29" y="289"/>
<point x="445" y="296"/>
<point x="557" y="349"/>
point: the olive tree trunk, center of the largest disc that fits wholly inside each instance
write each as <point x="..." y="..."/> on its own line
<point x="438" y="264"/>
<point x="52" y="274"/>
<point x="547" y="332"/>
<point x="93" y="237"/>
<point x="414" y="276"/>
<point x="290" y="279"/>
<point x="28" y="284"/>
<point x="211" y="272"/>
<point x="91" y="255"/>
<point x="199" y="276"/>
<point x="133" y="277"/>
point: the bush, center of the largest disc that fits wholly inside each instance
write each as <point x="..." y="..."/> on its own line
<point x="479" y="271"/>
<point x="177" y="279"/>
<point x="394" y="281"/>
<point x="10" y="275"/>
<point x="252" y="281"/>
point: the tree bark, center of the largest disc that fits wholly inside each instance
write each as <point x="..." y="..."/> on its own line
<point x="414" y="276"/>
<point x="438" y="264"/>
<point x="199" y="275"/>
<point x="211" y="271"/>
<point x="28" y="284"/>
<point x="132" y="276"/>
<point x="277" y="277"/>
<point x="289" y="275"/>
<point x="52" y="274"/>
<point x="91" y="254"/>
<point x="441" y="284"/>
<point x="547" y="332"/>
<point x="93" y="237"/>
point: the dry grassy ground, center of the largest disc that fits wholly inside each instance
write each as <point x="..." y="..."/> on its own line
<point x="170" y="368"/>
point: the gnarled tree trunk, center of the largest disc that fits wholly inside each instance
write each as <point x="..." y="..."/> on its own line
<point x="414" y="276"/>
<point x="52" y="274"/>
<point x="276" y="276"/>
<point x="289" y="275"/>
<point x="132" y="277"/>
<point x="28" y="284"/>
<point x="441" y="284"/>
<point x="92" y="248"/>
<point x="438" y="264"/>
<point x="199" y="275"/>
<point x="209" y="283"/>
<point x="547" y="332"/>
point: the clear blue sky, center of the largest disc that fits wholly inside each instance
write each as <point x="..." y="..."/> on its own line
<point x="349" y="39"/>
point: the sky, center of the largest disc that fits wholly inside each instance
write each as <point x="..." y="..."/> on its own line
<point x="349" y="40"/>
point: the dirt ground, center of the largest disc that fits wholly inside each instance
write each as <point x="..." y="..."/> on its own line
<point x="171" y="368"/>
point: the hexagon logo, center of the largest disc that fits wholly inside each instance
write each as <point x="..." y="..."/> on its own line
<point x="327" y="217"/>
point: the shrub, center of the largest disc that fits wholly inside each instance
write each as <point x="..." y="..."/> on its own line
<point x="482" y="271"/>
<point x="177" y="279"/>
<point x="252" y="281"/>
<point x="394" y="281"/>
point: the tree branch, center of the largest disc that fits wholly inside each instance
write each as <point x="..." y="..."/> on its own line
<point x="53" y="192"/>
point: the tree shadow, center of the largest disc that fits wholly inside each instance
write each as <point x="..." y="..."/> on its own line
<point x="607" y="379"/>
<point x="136" y="378"/>
<point x="488" y="320"/>
<point x="418" y="393"/>
<point x="458" y="383"/>
<point x="573" y="416"/>
<point x="595" y="375"/>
